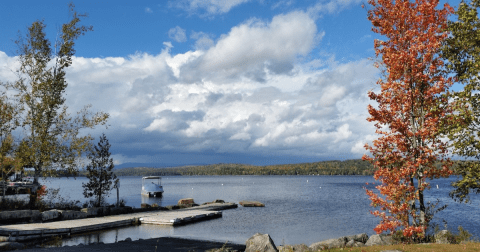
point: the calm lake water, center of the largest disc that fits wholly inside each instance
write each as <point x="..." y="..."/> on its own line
<point x="298" y="209"/>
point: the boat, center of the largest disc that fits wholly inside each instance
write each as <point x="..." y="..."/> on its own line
<point x="151" y="186"/>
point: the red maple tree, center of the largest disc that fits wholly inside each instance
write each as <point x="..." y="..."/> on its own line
<point x="410" y="110"/>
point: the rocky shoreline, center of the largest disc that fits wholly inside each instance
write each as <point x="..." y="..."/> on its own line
<point x="258" y="242"/>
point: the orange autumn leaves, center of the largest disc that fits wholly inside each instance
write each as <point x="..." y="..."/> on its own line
<point x="410" y="108"/>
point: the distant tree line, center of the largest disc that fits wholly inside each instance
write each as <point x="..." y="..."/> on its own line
<point x="335" y="167"/>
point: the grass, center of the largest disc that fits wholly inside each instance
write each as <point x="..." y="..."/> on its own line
<point x="467" y="247"/>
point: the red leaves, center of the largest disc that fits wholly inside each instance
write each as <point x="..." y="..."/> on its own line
<point x="410" y="105"/>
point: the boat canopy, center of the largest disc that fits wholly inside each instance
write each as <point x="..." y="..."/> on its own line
<point x="152" y="177"/>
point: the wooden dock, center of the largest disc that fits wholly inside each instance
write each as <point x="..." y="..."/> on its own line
<point x="174" y="218"/>
<point x="23" y="232"/>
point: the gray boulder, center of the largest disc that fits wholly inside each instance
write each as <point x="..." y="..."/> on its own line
<point x="442" y="237"/>
<point x="260" y="242"/>
<point x="380" y="239"/>
<point x="296" y="248"/>
<point x="11" y="246"/>
<point x="19" y="214"/>
<point x="329" y="244"/>
<point x="71" y="215"/>
<point x="363" y="238"/>
<point x="50" y="215"/>
<point x="359" y="244"/>
<point x="353" y="243"/>
<point x="350" y="244"/>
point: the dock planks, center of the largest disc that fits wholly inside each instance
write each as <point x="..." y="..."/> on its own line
<point x="22" y="232"/>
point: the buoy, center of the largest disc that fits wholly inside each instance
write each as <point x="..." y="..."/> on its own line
<point x="222" y="184"/>
<point x="437" y="186"/>
<point x="307" y="180"/>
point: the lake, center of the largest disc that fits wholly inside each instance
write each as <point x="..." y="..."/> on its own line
<point x="298" y="209"/>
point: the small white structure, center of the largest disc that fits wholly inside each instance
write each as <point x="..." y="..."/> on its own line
<point x="151" y="186"/>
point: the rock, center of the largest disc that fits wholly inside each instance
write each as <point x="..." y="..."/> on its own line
<point x="11" y="246"/>
<point x="246" y="203"/>
<point x="154" y="205"/>
<point x="363" y="238"/>
<point x="188" y="202"/>
<point x="19" y="215"/>
<point x="260" y="242"/>
<point x="442" y="237"/>
<point x="172" y="207"/>
<point x="71" y="215"/>
<point x="128" y="239"/>
<point x="297" y="248"/>
<point x="359" y="244"/>
<point x="96" y="211"/>
<point x="50" y="215"/>
<point x="219" y="201"/>
<point x="300" y="248"/>
<point x="328" y="244"/>
<point x="145" y="205"/>
<point x="379" y="240"/>
<point x="350" y="244"/>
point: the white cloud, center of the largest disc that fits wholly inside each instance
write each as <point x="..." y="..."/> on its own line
<point x="332" y="6"/>
<point x="148" y="10"/>
<point x="203" y="41"/>
<point x="282" y="3"/>
<point x="256" y="48"/>
<point x="207" y="7"/>
<point x="209" y="100"/>
<point x="177" y="34"/>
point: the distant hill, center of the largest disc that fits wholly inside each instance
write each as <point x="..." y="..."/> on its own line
<point x="334" y="167"/>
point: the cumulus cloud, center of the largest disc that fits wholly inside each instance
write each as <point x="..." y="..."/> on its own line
<point x="203" y="41"/>
<point x="207" y="7"/>
<point x="178" y="34"/>
<point x="250" y="94"/>
<point x="7" y="67"/>
<point x="256" y="48"/>
<point x="148" y="10"/>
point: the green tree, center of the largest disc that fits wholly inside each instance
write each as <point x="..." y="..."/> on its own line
<point x="52" y="141"/>
<point x="462" y="52"/>
<point x="100" y="172"/>
<point x="8" y="122"/>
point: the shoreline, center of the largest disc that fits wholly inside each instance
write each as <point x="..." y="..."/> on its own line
<point x="153" y="244"/>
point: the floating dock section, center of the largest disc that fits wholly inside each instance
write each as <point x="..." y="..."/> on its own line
<point x="180" y="217"/>
<point x="23" y="232"/>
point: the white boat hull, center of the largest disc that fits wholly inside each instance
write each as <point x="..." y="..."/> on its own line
<point x="152" y="194"/>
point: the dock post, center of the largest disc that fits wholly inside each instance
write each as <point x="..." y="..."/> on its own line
<point x="117" y="185"/>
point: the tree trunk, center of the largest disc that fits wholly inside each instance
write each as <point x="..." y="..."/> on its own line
<point x="422" y="205"/>
<point x="36" y="184"/>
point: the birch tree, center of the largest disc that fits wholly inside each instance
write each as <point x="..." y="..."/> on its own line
<point x="52" y="140"/>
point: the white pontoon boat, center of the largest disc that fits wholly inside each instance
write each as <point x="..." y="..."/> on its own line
<point x="151" y="186"/>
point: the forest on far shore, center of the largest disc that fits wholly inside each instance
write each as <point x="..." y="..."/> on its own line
<point x="334" y="167"/>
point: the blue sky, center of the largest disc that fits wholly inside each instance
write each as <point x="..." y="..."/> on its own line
<point x="216" y="81"/>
